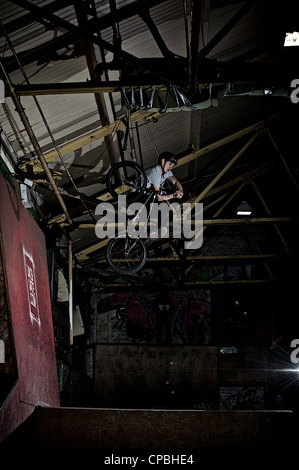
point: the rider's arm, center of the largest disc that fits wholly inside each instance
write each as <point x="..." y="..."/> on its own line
<point x="162" y="197"/>
<point x="179" y="188"/>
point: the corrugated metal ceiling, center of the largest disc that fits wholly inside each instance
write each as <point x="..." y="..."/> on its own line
<point x="72" y="116"/>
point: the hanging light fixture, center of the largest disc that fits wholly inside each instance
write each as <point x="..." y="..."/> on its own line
<point x="291" y="39"/>
<point x="244" y="208"/>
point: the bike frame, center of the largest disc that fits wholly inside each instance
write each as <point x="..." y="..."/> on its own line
<point x="125" y="258"/>
<point x="152" y="195"/>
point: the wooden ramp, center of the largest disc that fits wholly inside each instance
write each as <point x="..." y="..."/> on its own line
<point x="153" y="431"/>
<point x="28" y="375"/>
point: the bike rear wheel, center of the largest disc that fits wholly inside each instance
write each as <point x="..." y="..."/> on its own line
<point x="126" y="255"/>
<point x="128" y="179"/>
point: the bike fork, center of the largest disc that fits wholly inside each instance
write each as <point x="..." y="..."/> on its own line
<point x="129" y="245"/>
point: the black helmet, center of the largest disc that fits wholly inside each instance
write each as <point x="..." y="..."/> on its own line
<point x="168" y="156"/>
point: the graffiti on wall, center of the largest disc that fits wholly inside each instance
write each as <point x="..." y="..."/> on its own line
<point x="189" y="319"/>
<point x="31" y="286"/>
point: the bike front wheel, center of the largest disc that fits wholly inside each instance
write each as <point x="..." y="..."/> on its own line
<point x="128" y="179"/>
<point x="126" y="255"/>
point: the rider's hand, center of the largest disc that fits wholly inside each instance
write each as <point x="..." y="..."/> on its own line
<point x="178" y="194"/>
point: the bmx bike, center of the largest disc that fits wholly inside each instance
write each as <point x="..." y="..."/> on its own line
<point x="126" y="254"/>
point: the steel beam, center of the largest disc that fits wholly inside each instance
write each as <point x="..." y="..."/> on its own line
<point x="196" y="22"/>
<point x="225" y="30"/>
<point x="278" y="232"/>
<point x="84" y="9"/>
<point x="145" y="15"/>
<point x="43" y="13"/>
<point x="68" y="38"/>
<point x="282" y="159"/>
<point x="224" y="170"/>
<point x="92" y="86"/>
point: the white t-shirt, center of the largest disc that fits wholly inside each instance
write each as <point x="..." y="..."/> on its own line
<point x="155" y="177"/>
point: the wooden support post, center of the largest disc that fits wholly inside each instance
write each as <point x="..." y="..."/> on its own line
<point x="279" y="234"/>
<point x="224" y="170"/>
<point x="70" y="289"/>
<point x="283" y="160"/>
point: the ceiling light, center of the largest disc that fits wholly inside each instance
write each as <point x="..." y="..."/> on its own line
<point x="291" y="39"/>
<point x="267" y="91"/>
<point x="244" y="208"/>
